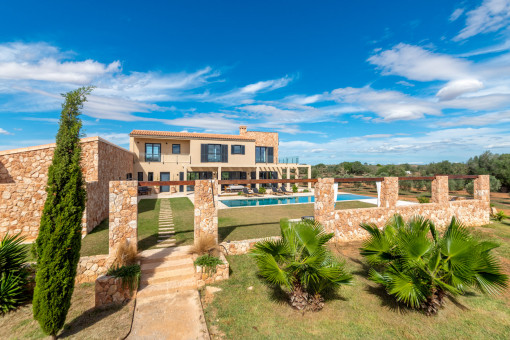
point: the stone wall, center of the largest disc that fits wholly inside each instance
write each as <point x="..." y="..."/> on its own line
<point x="123" y="213"/>
<point x="110" y="290"/>
<point x="206" y="209"/>
<point x="204" y="277"/>
<point x="242" y="247"/>
<point x="24" y="174"/>
<point x="269" y="139"/>
<point x="91" y="267"/>
<point x="389" y="192"/>
<point x="324" y="205"/>
<point x="345" y="223"/>
<point x="439" y="190"/>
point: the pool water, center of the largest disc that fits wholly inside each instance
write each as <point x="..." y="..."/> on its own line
<point x="286" y="200"/>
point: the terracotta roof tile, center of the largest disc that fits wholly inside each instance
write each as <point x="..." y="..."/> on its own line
<point x="149" y="133"/>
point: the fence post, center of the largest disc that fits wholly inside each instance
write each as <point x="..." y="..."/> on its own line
<point x="389" y="192"/>
<point x="206" y="209"/>
<point x="482" y="188"/>
<point x="123" y="213"/>
<point x="439" y="189"/>
<point x="324" y="206"/>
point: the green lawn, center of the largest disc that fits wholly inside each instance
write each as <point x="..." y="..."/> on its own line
<point x="361" y="311"/>
<point x="96" y="242"/>
<point x="148" y="215"/>
<point x="256" y="222"/>
<point x="183" y="213"/>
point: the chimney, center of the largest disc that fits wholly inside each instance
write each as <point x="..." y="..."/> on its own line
<point x="242" y="130"/>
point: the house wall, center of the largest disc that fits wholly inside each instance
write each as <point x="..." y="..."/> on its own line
<point x="269" y="139"/>
<point x="24" y="174"/>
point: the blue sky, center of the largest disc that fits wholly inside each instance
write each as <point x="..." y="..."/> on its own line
<point x="375" y="81"/>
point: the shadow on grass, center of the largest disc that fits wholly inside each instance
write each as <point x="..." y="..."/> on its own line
<point x="224" y="232"/>
<point x="87" y="319"/>
<point x="387" y="300"/>
<point x="146" y="205"/>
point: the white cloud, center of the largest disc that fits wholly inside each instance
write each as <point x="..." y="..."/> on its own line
<point x="493" y="118"/>
<point x="490" y="16"/>
<point x="416" y="63"/>
<point x="456" y="14"/>
<point x="455" y="88"/>
<point x="389" y="105"/>
<point x="5" y="132"/>
<point x="267" y="85"/>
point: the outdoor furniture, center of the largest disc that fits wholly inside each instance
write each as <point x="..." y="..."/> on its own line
<point x="256" y="191"/>
<point x="234" y="188"/>
<point x="144" y="191"/>
<point x="285" y="192"/>
<point x="276" y="191"/>
<point x="307" y="218"/>
<point x="247" y="193"/>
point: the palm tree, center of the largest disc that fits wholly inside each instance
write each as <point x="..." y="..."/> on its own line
<point x="419" y="267"/>
<point x="301" y="264"/>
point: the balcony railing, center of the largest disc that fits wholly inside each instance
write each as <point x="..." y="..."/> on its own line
<point x="289" y="160"/>
<point x="165" y="159"/>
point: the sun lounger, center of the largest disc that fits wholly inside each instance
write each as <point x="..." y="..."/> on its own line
<point x="257" y="192"/>
<point x="247" y="192"/>
<point x="276" y="191"/>
<point x="285" y="192"/>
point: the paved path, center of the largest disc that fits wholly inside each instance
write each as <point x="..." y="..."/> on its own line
<point x="166" y="232"/>
<point x="168" y="304"/>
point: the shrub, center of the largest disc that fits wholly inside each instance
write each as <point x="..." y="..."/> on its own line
<point x="13" y="274"/>
<point x="262" y="190"/>
<point x="208" y="262"/>
<point x="125" y="254"/>
<point x="423" y="199"/>
<point x="294" y="188"/>
<point x="499" y="216"/>
<point x="130" y="275"/>
<point x="239" y="193"/>
<point x="58" y="244"/>
<point x="306" y="190"/>
<point x="419" y="267"/>
<point x="301" y="264"/>
<point x="205" y="245"/>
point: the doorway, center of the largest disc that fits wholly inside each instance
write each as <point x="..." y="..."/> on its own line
<point x="164" y="176"/>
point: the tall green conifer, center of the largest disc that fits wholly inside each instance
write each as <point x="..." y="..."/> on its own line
<point x="57" y="247"/>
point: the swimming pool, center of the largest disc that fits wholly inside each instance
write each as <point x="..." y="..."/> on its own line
<point x="286" y="200"/>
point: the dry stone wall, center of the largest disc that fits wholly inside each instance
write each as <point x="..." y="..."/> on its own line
<point x="91" y="267"/>
<point x="345" y="223"/>
<point x="123" y="213"/>
<point x="206" y="209"/>
<point x="111" y="290"/>
<point x="24" y="174"/>
<point x="242" y="247"/>
<point x="439" y="189"/>
<point x="204" y="277"/>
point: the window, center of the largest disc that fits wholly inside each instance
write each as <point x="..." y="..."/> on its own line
<point x="140" y="177"/>
<point x="129" y="177"/>
<point x="176" y="149"/>
<point x="237" y="150"/>
<point x="214" y="153"/>
<point x="152" y="152"/>
<point x="150" y="176"/>
<point x="264" y="154"/>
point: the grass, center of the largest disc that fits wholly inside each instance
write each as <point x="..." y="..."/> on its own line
<point x="96" y="242"/>
<point x="148" y="215"/>
<point x="83" y="321"/>
<point x="256" y="222"/>
<point x="184" y="219"/>
<point x="363" y="310"/>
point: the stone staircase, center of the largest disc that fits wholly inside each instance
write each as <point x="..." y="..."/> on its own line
<point x="166" y="271"/>
<point x="166" y="230"/>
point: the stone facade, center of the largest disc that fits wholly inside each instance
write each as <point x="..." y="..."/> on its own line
<point x="91" y="267"/>
<point x="324" y="205"/>
<point x="389" y="192"/>
<point x="221" y="273"/>
<point x="482" y="188"/>
<point x="110" y="290"/>
<point x="123" y="213"/>
<point x="345" y="223"/>
<point x="269" y="139"/>
<point x="24" y="174"/>
<point x="206" y="209"/>
<point x="439" y="190"/>
<point x="242" y="247"/>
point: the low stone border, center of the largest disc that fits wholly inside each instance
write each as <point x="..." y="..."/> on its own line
<point x="110" y="290"/>
<point x="91" y="267"/>
<point x="205" y="278"/>
<point x="244" y="246"/>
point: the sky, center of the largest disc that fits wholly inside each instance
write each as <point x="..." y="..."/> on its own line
<point x="375" y="81"/>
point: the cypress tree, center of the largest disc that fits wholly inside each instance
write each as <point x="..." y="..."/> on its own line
<point x="58" y="244"/>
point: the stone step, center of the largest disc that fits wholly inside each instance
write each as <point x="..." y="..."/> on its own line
<point x="166" y="288"/>
<point x="166" y="229"/>
<point x="179" y="274"/>
<point x="171" y="231"/>
<point x="165" y="237"/>
<point x="165" y="246"/>
<point x="167" y="240"/>
<point x="154" y="267"/>
<point x="154" y="255"/>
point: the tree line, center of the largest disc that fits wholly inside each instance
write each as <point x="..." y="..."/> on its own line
<point x="488" y="163"/>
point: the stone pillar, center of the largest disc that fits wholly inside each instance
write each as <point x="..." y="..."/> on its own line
<point x="439" y="190"/>
<point x="123" y="215"/>
<point x="482" y="188"/>
<point x="288" y="177"/>
<point x="206" y="209"/>
<point x="309" y="177"/>
<point x="324" y="206"/>
<point x="257" y="176"/>
<point x="389" y="192"/>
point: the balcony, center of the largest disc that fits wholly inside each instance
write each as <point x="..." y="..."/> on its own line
<point x="164" y="159"/>
<point x="289" y="160"/>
